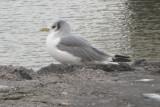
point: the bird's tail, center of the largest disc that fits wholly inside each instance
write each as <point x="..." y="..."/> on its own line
<point x="121" y="58"/>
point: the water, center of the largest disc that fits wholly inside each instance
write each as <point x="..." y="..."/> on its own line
<point x="129" y="27"/>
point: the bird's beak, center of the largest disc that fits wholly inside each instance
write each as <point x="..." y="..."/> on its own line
<point x="44" y="29"/>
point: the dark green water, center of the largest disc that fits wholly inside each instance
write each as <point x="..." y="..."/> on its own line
<point x="129" y="27"/>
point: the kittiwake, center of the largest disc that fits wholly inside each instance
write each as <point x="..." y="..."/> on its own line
<point x="68" y="48"/>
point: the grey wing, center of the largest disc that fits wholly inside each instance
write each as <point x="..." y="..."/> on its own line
<point x="79" y="47"/>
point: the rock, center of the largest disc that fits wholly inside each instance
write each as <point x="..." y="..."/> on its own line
<point x="81" y="86"/>
<point x="15" y="73"/>
<point x="139" y="62"/>
<point x="59" y="68"/>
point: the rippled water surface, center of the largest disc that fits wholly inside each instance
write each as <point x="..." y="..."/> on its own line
<point x="129" y="27"/>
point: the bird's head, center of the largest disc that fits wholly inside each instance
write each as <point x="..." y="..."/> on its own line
<point x="58" y="26"/>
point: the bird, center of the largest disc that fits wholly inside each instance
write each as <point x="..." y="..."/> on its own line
<point x="67" y="48"/>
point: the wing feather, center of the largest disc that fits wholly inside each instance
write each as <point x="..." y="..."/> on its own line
<point x="79" y="47"/>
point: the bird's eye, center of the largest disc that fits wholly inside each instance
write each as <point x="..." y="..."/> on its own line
<point x="53" y="26"/>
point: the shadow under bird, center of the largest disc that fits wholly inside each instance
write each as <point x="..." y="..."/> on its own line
<point x="67" y="48"/>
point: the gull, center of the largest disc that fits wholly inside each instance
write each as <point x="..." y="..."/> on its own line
<point x="68" y="48"/>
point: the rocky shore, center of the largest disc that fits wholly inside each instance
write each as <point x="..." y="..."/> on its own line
<point x="124" y="85"/>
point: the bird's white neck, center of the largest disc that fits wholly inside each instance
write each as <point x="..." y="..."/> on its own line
<point x="61" y="33"/>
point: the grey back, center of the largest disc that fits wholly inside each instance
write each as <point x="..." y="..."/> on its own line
<point x="79" y="47"/>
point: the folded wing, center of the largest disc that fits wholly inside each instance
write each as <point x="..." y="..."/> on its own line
<point x="79" y="47"/>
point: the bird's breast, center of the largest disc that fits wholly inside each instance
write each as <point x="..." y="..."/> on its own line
<point x="51" y="43"/>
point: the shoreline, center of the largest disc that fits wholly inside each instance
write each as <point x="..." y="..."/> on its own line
<point x="77" y="86"/>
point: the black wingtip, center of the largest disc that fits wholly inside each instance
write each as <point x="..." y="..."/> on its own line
<point x="121" y="58"/>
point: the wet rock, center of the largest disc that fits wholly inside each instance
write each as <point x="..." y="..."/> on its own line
<point x="15" y="73"/>
<point x="80" y="86"/>
<point x="139" y="62"/>
<point x="23" y="74"/>
<point x="59" y="68"/>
